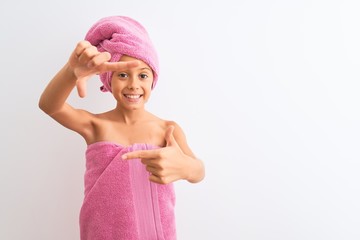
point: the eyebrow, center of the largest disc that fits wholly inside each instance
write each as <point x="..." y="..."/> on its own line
<point x="145" y="68"/>
<point x="141" y="69"/>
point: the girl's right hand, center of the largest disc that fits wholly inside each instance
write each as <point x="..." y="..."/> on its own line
<point x="86" y="61"/>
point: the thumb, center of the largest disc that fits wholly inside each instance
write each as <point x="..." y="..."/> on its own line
<point x="81" y="87"/>
<point x="169" y="136"/>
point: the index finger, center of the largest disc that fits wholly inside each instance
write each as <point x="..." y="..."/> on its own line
<point x="141" y="154"/>
<point x="118" y="66"/>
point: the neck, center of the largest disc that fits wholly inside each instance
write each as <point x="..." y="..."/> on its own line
<point x="130" y="116"/>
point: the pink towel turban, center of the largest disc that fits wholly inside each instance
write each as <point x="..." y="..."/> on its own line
<point x="119" y="36"/>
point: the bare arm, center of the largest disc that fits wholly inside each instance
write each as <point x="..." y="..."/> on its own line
<point x="195" y="170"/>
<point x="84" y="62"/>
<point x="52" y="102"/>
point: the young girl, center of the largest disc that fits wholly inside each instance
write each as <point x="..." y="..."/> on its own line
<point x="132" y="156"/>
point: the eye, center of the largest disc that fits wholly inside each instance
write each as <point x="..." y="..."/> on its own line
<point x="143" y="76"/>
<point x="122" y="75"/>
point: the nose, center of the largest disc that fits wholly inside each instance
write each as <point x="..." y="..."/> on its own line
<point x="133" y="83"/>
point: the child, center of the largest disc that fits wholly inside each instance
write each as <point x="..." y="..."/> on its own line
<point x="132" y="156"/>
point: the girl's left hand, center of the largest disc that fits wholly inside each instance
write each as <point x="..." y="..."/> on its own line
<point x="167" y="164"/>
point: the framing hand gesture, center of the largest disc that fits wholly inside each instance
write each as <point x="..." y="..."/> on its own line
<point x="86" y="61"/>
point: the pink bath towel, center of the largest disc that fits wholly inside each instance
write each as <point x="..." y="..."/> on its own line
<point x="120" y="35"/>
<point x="120" y="202"/>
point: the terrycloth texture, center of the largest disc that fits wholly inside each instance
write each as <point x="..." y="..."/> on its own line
<point x="119" y="36"/>
<point x="120" y="202"/>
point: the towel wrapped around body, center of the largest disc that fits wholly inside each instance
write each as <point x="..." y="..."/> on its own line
<point x="120" y="202"/>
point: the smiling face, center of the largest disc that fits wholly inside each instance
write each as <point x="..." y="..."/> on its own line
<point x="132" y="87"/>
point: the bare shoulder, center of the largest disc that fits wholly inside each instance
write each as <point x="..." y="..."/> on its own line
<point x="99" y="123"/>
<point x="180" y="137"/>
<point x="178" y="132"/>
<point x="78" y="120"/>
<point x="103" y="119"/>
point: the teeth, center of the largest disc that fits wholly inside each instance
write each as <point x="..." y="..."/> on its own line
<point x="132" y="96"/>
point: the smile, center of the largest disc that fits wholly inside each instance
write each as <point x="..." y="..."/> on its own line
<point x="132" y="96"/>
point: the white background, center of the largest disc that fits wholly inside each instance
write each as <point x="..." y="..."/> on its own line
<point x="267" y="93"/>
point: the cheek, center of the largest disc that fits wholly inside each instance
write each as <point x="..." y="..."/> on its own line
<point x="116" y="89"/>
<point x="149" y="83"/>
<point x="116" y="84"/>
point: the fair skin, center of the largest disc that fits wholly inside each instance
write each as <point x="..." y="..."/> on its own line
<point x="129" y="122"/>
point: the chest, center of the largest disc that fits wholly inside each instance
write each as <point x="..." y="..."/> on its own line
<point x="146" y="132"/>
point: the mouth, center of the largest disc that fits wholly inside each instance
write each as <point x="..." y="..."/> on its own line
<point x="133" y="98"/>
